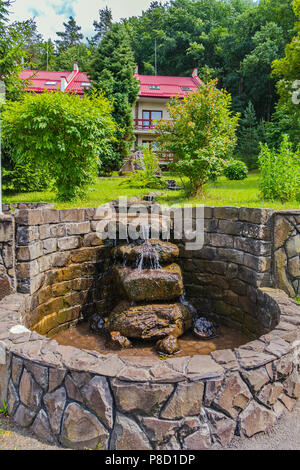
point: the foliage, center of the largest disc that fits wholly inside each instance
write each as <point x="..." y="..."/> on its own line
<point x="146" y="177"/>
<point x="235" y="170"/>
<point x="79" y="53"/>
<point x="4" y="409"/>
<point x="25" y="177"/>
<point x="12" y="52"/>
<point x="287" y="114"/>
<point x="61" y="132"/>
<point x="280" y="172"/>
<point x="250" y="133"/>
<point x="200" y="134"/>
<point x="102" y="26"/>
<point x="70" y="36"/>
<point x="113" y="72"/>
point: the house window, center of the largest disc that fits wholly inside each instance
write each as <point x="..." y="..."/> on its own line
<point x="154" y="87"/>
<point x="186" y="88"/>
<point x="85" y="84"/>
<point x="150" y="118"/>
<point x="50" y="83"/>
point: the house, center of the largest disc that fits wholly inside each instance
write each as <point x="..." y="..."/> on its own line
<point x="151" y="105"/>
<point x="41" y="80"/>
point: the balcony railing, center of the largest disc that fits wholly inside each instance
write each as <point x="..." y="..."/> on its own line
<point x="145" y="124"/>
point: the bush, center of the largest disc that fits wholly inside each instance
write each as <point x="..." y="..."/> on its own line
<point x="280" y="172"/>
<point x="25" y="177"/>
<point x="62" y="133"/>
<point x="200" y="134"/>
<point x="146" y="178"/>
<point x="236" y="170"/>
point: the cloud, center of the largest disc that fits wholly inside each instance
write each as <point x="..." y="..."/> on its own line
<point x="50" y="14"/>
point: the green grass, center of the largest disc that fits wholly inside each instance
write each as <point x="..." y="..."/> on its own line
<point x="297" y="299"/>
<point x="222" y="193"/>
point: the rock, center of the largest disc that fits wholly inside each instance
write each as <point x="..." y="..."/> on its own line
<point x="128" y="435"/>
<point x="222" y="428"/>
<point x="234" y="396"/>
<point x="166" y="252"/>
<point x="204" y="329"/>
<point x="30" y="391"/>
<point x="19" y="334"/>
<point x="140" y="398"/>
<point x="81" y="429"/>
<point x="186" y="401"/>
<point x="24" y="416"/>
<point x="150" y="284"/>
<point x="97" y="323"/>
<point x="117" y="341"/>
<point x="160" y="431"/>
<point x="168" y="345"/>
<point x="150" y="321"/>
<point x="41" y="427"/>
<point x="200" y="440"/>
<point x="97" y="397"/>
<point x="270" y="393"/>
<point x="255" y="418"/>
<point x="256" y="378"/>
<point x="55" y="404"/>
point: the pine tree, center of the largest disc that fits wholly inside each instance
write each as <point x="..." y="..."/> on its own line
<point x="249" y="136"/>
<point x="71" y="36"/>
<point x="103" y="25"/>
<point x="113" y="72"/>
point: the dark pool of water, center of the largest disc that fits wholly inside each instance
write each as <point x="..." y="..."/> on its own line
<point x="81" y="337"/>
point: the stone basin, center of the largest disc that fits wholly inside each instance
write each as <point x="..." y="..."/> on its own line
<point x="149" y="284"/>
<point x="150" y="321"/>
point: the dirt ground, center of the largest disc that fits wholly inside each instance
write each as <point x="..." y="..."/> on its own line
<point x="285" y="435"/>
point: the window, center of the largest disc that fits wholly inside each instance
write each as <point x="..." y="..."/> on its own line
<point x="186" y="88"/>
<point x="50" y="83"/>
<point x="150" y="118"/>
<point x="85" y="84"/>
<point x="154" y="87"/>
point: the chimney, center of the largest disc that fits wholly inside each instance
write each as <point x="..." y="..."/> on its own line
<point x="136" y="69"/>
<point x="63" y="84"/>
<point x="195" y="73"/>
<point x="75" y="67"/>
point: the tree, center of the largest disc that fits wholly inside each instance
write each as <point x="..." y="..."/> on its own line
<point x="32" y="41"/>
<point x="250" y="133"/>
<point x="286" y="118"/>
<point x="103" y="25"/>
<point x="61" y="133"/>
<point x="113" y="72"/>
<point x="12" y="53"/>
<point x="79" y="53"/>
<point x="200" y="134"/>
<point x="70" y="36"/>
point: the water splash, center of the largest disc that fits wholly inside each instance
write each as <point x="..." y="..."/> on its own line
<point x="148" y="257"/>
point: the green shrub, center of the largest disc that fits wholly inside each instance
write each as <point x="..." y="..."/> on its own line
<point x="25" y="177"/>
<point x="145" y="178"/>
<point x="235" y="170"/>
<point x="62" y="133"/>
<point x="280" y="172"/>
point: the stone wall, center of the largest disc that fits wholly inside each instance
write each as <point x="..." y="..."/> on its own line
<point x="287" y="252"/>
<point x="222" y="278"/>
<point x="82" y="399"/>
<point x="59" y="263"/>
<point x="7" y="256"/>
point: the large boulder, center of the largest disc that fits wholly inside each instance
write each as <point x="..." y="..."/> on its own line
<point x="150" y="321"/>
<point x="150" y="284"/>
<point x="166" y="252"/>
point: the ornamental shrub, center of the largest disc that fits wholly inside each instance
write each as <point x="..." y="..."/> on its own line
<point x="235" y="170"/>
<point x="62" y="133"/>
<point x="280" y="172"/>
<point x="146" y="177"/>
<point x="200" y="134"/>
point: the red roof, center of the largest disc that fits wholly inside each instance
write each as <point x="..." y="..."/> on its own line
<point x="168" y="86"/>
<point x="39" y="79"/>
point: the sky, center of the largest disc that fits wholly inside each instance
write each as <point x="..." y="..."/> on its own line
<point x="50" y="14"/>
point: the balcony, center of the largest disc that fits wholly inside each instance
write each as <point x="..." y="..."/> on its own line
<point x="145" y="125"/>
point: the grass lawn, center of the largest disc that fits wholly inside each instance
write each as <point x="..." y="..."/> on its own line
<point x="222" y="193"/>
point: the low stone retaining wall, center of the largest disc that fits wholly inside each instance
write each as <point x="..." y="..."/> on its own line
<point x="82" y="399"/>
<point x="7" y="256"/>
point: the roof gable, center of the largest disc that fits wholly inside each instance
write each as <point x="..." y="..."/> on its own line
<point x="168" y="86"/>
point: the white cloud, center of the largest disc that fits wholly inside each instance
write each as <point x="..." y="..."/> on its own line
<point x="50" y="14"/>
